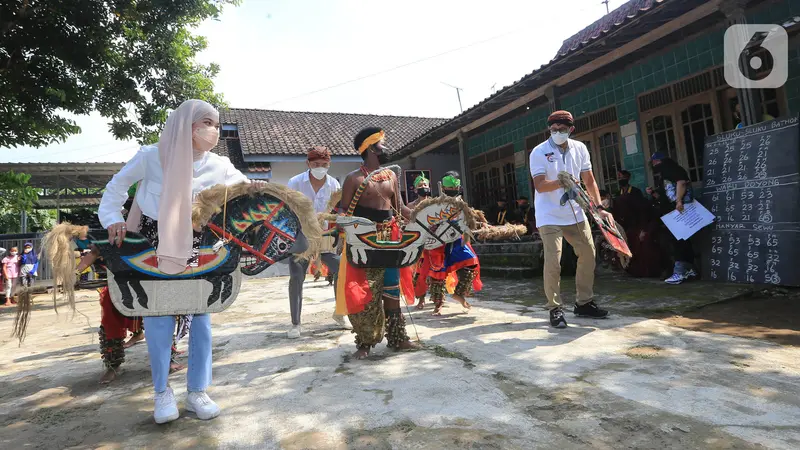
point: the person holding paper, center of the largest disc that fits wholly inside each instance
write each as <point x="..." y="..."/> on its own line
<point x="679" y="191"/>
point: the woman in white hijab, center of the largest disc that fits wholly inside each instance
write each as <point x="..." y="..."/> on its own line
<point x="171" y="174"/>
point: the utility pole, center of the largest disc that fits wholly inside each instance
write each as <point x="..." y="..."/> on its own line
<point x="605" y="2"/>
<point x="458" y="93"/>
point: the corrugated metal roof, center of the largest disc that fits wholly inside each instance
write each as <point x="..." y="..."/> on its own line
<point x="50" y="203"/>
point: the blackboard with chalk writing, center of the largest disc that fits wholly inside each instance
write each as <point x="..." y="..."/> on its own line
<point x="752" y="185"/>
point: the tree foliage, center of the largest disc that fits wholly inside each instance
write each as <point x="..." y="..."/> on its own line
<point x="39" y="220"/>
<point x="130" y="60"/>
<point x="15" y="196"/>
<point x="15" y="193"/>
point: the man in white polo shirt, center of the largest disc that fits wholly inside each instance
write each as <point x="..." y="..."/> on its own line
<point x="568" y="221"/>
<point x="316" y="184"/>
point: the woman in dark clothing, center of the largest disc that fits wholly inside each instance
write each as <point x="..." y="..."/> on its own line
<point x="641" y="225"/>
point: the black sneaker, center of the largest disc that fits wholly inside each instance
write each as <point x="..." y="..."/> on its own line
<point x="557" y="318"/>
<point x="589" y="310"/>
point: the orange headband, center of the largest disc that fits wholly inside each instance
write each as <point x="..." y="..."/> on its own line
<point x="372" y="139"/>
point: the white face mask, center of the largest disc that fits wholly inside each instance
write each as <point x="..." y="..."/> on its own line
<point x="206" y="138"/>
<point x="559" y="137"/>
<point x="13" y="253"/>
<point x="319" y="172"/>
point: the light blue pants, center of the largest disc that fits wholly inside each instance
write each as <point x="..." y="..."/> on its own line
<point x="159" y="332"/>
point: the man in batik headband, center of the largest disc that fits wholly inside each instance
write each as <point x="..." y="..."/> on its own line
<point x="318" y="186"/>
<point x="458" y="257"/>
<point x="559" y="220"/>
<point x="372" y="297"/>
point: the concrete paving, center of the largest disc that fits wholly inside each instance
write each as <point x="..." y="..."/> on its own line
<point x="497" y="377"/>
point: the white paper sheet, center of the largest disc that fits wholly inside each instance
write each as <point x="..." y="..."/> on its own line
<point x="630" y="145"/>
<point x="683" y="225"/>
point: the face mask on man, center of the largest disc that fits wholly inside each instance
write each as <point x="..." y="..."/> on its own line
<point x="27" y="250"/>
<point x="452" y="192"/>
<point x="319" y="172"/>
<point x="207" y="137"/>
<point x="623" y="183"/>
<point x="423" y="192"/>
<point x="559" y="137"/>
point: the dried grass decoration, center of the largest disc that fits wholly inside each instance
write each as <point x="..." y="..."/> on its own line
<point x="57" y="248"/>
<point x="500" y="232"/>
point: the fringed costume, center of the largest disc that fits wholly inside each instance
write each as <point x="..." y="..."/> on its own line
<point x="371" y="297"/>
<point x="454" y="258"/>
<point x="457" y="258"/>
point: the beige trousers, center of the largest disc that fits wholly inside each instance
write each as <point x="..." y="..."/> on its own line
<point x="579" y="237"/>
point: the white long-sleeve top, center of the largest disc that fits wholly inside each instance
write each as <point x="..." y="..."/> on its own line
<point x="145" y="167"/>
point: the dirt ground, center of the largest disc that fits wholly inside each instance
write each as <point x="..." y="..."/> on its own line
<point x="772" y="315"/>
<point x="496" y="378"/>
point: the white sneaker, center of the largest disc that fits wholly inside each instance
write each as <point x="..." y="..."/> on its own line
<point x="675" y="279"/>
<point x="200" y="404"/>
<point x="294" y="333"/>
<point x="343" y="322"/>
<point x="166" y="409"/>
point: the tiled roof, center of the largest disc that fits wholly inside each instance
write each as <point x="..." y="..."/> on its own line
<point x="607" y="23"/>
<point x="259" y="167"/>
<point x="232" y="149"/>
<point x="269" y="132"/>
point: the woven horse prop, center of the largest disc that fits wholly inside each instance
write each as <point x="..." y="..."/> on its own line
<point x="434" y="222"/>
<point x="244" y="229"/>
<point x="612" y="235"/>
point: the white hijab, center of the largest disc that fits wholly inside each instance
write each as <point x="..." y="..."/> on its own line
<point x="175" y="207"/>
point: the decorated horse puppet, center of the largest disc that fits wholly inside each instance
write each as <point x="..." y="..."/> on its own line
<point x="433" y="223"/>
<point x="612" y="235"/>
<point x="243" y="229"/>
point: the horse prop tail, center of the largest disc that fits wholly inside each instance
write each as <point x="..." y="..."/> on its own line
<point x="57" y="246"/>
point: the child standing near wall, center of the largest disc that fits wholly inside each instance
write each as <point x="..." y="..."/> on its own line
<point x="29" y="265"/>
<point x="11" y="274"/>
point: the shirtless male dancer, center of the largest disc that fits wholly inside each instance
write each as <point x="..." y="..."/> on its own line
<point x="371" y="297"/>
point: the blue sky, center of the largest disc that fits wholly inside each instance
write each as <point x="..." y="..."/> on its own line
<point x="273" y="52"/>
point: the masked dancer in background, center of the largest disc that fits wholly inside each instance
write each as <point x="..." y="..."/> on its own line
<point x="372" y="297"/>
<point x="422" y="187"/>
<point x="318" y="186"/>
<point x="114" y="327"/>
<point x="458" y="257"/>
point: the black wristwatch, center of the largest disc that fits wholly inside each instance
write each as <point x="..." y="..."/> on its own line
<point x="601" y="208"/>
